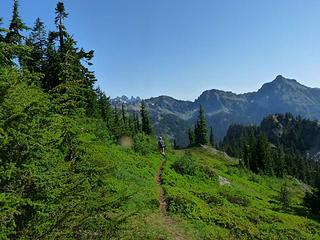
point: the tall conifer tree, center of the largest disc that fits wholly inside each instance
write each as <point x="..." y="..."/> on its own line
<point x="201" y="131"/>
<point x="263" y="156"/>
<point x="211" y="137"/>
<point x="191" y="137"/>
<point x="137" y="125"/>
<point x="68" y="66"/>
<point x="104" y="106"/>
<point x="51" y="65"/>
<point x="280" y="162"/>
<point x="2" y="30"/>
<point x="145" y="119"/>
<point x="61" y="15"/>
<point x="38" y="40"/>
<point x="124" y="117"/>
<point x="14" y="35"/>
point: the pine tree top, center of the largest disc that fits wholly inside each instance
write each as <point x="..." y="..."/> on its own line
<point x="16" y="26"/>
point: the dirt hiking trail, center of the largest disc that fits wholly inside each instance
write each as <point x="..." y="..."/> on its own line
<point x="171" y="225"/>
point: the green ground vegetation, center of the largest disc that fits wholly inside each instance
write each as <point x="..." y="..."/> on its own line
<point x="250" y="207"/>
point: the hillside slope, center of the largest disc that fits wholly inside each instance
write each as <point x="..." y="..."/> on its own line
<point x="113" y="193"/>
<point x="206" y="196"/>
<point x="217" y="200"/>
<point x="202" y="195"/>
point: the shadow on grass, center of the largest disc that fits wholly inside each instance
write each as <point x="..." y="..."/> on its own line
<point x="296" y="210"/>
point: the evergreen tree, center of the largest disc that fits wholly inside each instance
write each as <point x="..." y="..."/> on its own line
<point x="14" y="35"/>
<point x="51" y="66"/>
<point x="104" y="106"/>
<point x="131" y="125"/>
<point x="246" y="156"/>
<point x="73" y="78"/>
<point x="137" y="125"/>
<point x="70" y="63"/>
<point x="211" y="137"/>
<point x="116" y="126"/>
<point x="280" y="162"/>
<point x="145" y="119"/>
<point x="124" y="117"/>
<point x="312" y="201"/>
<point x="175" y="145"/>
<point x="72" y="83"/>
<point x="201" y="131"/>
<point x="285" y="195"/>
<point x="38" y="41"/>
<point x="2" y="30"/>
<point x="5" y="58"/>
<point x="71" y="60"/>
<point x="68" y="98"/>
<point x="191" y="137"/>
<point x="263" y="155"/>
<point x="61" y="15"/>
<point x="89" y="80"/>
<point x="125" y="121"/>
<point x="67" y="65"/>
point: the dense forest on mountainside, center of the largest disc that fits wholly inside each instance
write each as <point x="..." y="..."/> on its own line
<point x="285" y="144"/>
<point x="281" y="145"/>
<point x="72" y="166"/>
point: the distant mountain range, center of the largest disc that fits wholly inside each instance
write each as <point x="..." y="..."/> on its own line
<point x="126" y="100"/>
<point x="173" y="117"/>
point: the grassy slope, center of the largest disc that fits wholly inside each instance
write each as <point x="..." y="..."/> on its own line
<point x="132" y="188"/>
<point x="247" y="209"/>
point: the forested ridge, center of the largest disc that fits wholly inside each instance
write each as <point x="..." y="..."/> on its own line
<point x="282" y="145"/>
<point x="287" y="144"/>
<point x="72" y="166"/>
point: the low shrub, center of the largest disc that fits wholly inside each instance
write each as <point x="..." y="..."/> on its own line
<point x="233" y="170"/>
<point x="236" y="198"/>
<point x="210" y="199"/>
<point x="239" y="200"/>
<point x="208" y="171"/>
<point x="255" y="178"/>
<point x="144" y="144"/>
<point x="312" y="201"/>
<point x="184" y="204"/>
<point x="284" y="195"/>
<point x="185" y="166"/>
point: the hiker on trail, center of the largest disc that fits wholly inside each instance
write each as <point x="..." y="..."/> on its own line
<point x="161" y="145"/>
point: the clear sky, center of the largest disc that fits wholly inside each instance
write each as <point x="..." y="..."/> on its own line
<point x="183" y="47"/>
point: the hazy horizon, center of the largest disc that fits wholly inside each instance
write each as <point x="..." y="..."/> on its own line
<point x="181" y="48"/>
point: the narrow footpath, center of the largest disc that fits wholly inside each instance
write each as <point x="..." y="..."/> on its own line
<point x="172" y="227"/>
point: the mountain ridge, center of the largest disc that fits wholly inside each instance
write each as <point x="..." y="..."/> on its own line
<point x="279" y="78"/>
<point x="223" y="108"/>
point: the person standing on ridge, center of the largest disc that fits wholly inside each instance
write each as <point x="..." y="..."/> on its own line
<point x="161" y="146"/>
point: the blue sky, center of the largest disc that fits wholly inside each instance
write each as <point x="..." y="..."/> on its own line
<point x="183" y="47"/>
